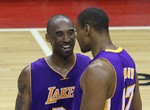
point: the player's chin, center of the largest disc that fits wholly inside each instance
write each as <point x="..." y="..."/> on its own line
<point x="67" y="53"/>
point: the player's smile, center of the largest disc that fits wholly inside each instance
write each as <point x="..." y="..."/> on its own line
<point x="67" y="48"/>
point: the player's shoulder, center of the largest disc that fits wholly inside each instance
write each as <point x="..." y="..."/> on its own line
<point x="99" y="63"/>
<point x="25" y="74"/>
<point x="26" y="70"/>
<point x="38" y="60"/>
<point x="99" y="67"/>
<point x="96" y="71"/>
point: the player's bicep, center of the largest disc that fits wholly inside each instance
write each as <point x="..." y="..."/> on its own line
<point x="95" y="86"/>
<point x="23" y="96"/>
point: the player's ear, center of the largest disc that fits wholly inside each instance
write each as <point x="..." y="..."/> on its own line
<point x="87" y="28"/>
<point x="47" y="37"/>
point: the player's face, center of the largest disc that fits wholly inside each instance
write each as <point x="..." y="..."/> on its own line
<point x="63" y="38"/>
<point x="82" y="38"/>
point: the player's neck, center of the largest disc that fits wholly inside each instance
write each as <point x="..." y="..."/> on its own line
<point x="101" y="43"/>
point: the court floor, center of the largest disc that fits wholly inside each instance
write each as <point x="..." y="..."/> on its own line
<point x="20" y="47"/>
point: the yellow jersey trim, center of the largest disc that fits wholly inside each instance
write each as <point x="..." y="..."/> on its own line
<point x="107" y="104"/>
<point x="119" y="49"/>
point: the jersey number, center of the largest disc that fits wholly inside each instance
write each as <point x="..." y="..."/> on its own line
<point x="127" y="94"/>
<point x="58" y="108"/>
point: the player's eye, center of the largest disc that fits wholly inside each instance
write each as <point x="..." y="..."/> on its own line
<point x="71" y="32"/>
<point x="59" y="34"/>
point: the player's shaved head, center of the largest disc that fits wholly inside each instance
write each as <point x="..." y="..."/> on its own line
<point x="55" y="19"/>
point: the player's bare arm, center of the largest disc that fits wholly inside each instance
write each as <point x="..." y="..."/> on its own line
<point x="96" y="82"/>
<point x="137" y="103"/>
<point x="23" y="96"/>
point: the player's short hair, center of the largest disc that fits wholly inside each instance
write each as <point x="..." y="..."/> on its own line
<point x="95" y="17"/>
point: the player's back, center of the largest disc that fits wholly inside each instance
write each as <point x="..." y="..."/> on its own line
<point x="50" y="90"/>
<point x="126" y="79"/>
<point x="124" y="67"/>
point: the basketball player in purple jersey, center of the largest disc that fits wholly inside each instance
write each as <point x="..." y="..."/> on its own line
<point x="110" y="81"/>
<point x="49" y="83"/>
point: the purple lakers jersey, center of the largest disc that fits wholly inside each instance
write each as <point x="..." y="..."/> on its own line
<point x="125" y="71"/>
<point x="49" y="90"/>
